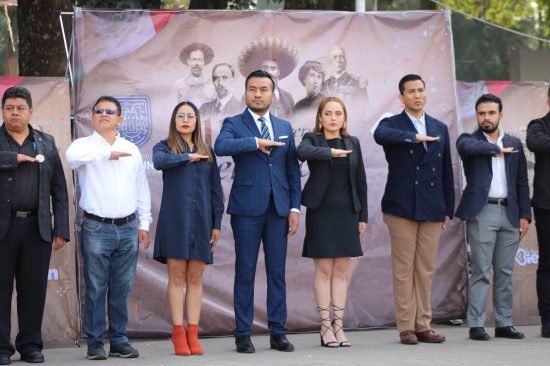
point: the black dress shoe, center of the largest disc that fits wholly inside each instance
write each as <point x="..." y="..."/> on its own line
<point x="280" y="343"/>
<point x="244" y="344"/>
<point x="4" y="359"/>
<point x="479" y="334"/>
<point x="32" y="357"/>
<point x="545" y="330"/>
<point x="508" y="332"/>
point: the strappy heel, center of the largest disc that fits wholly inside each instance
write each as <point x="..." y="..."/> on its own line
<point x="339" y="327"/>
<point x="325" y="328"/>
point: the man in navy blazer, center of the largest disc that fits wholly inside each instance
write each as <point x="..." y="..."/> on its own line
<point x="417" y="203"/>
<point x="497" y="210"/>
<point x="264" y="206"/>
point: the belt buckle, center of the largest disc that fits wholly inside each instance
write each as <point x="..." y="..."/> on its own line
<point x="500" y="202"/>
<point x="22" y="214"/>
<point x="113" y="221"/>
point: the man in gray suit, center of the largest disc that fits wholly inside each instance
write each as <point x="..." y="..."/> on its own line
<point x="497" y="210"/>
<point x="32" y="186"/>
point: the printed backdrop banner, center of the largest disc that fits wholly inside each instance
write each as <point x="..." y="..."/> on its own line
<point x="51" y="114"/>
<point x="151" y="60"/>
<point x="521" y="103"/>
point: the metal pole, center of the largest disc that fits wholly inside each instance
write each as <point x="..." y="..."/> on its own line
<point x="67" y="54"/>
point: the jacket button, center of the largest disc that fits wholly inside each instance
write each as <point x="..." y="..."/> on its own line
<point x="415" y="182"/>
<point x="417" y="168"/>
<point x="433" y="169"/>
<point x="438" y="155"/>
<point x="410" y="151"/>
<point x="10" y="179"/>
<point x="431" y="184"/>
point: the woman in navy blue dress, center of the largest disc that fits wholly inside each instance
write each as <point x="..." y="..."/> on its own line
<point x="189" y="220"/>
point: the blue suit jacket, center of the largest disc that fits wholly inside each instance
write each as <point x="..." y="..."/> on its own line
<point x="476" y="153"/>
<point x="257" y="175"/>
<point x="420" y="183"/>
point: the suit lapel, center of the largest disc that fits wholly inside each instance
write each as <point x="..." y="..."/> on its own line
<point x="249" y="122"/>
<point x="4" y="140"/>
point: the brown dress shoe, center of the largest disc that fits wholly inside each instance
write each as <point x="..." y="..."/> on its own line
<point x="408" y="337"/>
<point x="429" y="336"/>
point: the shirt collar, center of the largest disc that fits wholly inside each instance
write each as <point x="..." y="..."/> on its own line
<point x="422" y="118"/>
<point x="98" y="137"/>
<point x="500" y="136"/>
<point x="256" y="116"/>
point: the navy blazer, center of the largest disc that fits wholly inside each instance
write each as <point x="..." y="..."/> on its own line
<point x="315" y="149"/>
<point x="476" y="154"/>
<point x="258" y="175"/>
<point x="53" y="198"/>
<point x="420" y="183"/>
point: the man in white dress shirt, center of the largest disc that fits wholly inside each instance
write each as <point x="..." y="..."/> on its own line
<point x="113" y="186"/>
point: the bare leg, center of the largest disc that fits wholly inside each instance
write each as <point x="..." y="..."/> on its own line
<point x="176" y="281"/>
<point x="321" y="285"/>
<point x="339" y="292"/>
<point x="193" y="300"/>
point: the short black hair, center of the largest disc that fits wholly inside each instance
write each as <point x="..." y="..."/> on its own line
<point x="108" y="98"/>
<point x="407" y="78"/>
<point x="490" y="98"/>
<point x="17" y="92"/>
<point x="259" y="74"/>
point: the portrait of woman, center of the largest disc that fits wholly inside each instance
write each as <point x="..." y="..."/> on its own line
<point x="189" y="220"/>
<point x="335" y="195"/>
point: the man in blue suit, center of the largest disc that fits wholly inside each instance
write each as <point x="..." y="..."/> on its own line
<point x="264" y="206"/>
<point x="418" y="202"/>
<point x="497" y="210"/>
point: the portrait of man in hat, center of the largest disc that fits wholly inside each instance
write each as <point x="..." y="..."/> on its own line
<point x="195" y="87"/>
<point x="277" y="57"/>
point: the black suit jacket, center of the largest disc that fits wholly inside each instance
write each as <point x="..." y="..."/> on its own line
<point x="476" y="154"/>
<point x="52" y="188"/>
<point x="315" y="149"/>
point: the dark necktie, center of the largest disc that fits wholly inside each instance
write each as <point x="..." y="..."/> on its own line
<point x="265" y="131"/>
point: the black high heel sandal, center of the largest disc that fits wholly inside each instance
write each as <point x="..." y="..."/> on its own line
<point x="337" y="328"/>
<point x="325" y="329"/>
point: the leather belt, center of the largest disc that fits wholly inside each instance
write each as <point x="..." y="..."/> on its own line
<point x="498" y="201"/>
<point x="23" y="213"/>
<point x="119" y="221"/>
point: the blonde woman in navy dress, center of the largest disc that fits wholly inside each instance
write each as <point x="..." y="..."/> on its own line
<point x="189" y="220"/>
<point x="335" y="195"/>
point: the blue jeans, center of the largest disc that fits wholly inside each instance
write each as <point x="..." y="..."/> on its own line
<point x="110" y="256"/>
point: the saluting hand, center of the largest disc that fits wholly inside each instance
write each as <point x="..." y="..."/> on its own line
<point x="22" y="158"/>
<point x="426" y="138"/>
<point x="115" y="155"/>
<point x="339" y="153"/>
<point x="197" y="157"/>
<point x="263" y="143"/>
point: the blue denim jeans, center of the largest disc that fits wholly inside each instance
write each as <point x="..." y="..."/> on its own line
<point x="110" y="256"/>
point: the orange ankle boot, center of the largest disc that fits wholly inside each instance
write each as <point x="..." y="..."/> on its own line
<point x="193" y="339"/>
<point x="180" y="341"/>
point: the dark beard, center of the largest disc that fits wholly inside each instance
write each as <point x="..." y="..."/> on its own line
<point x="490" y="129"/>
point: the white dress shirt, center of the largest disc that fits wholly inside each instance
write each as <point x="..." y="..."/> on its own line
<point x="111" y="188"/>
<point x="499" y="187"/>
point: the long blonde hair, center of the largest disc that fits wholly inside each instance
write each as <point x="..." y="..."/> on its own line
<point x="177" y="144"/>
<point x="319" y="127"/>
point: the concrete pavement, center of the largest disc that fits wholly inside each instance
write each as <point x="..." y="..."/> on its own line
<point x="370" y="347"/>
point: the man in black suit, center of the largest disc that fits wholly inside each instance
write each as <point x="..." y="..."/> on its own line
<point x="30" y="176"/>
<point x="538" y="141"/>
<point x="497" y="210"/>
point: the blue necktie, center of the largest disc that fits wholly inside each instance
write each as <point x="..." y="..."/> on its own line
<point x="265" y="131"/>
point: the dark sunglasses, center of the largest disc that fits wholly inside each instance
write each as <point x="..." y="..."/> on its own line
<point x="108" y="111"/>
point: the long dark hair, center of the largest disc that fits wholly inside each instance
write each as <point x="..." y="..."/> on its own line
<point x="177" y="144"/>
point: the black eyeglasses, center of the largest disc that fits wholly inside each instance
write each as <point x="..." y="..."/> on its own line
<point x="108" y="111"/>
